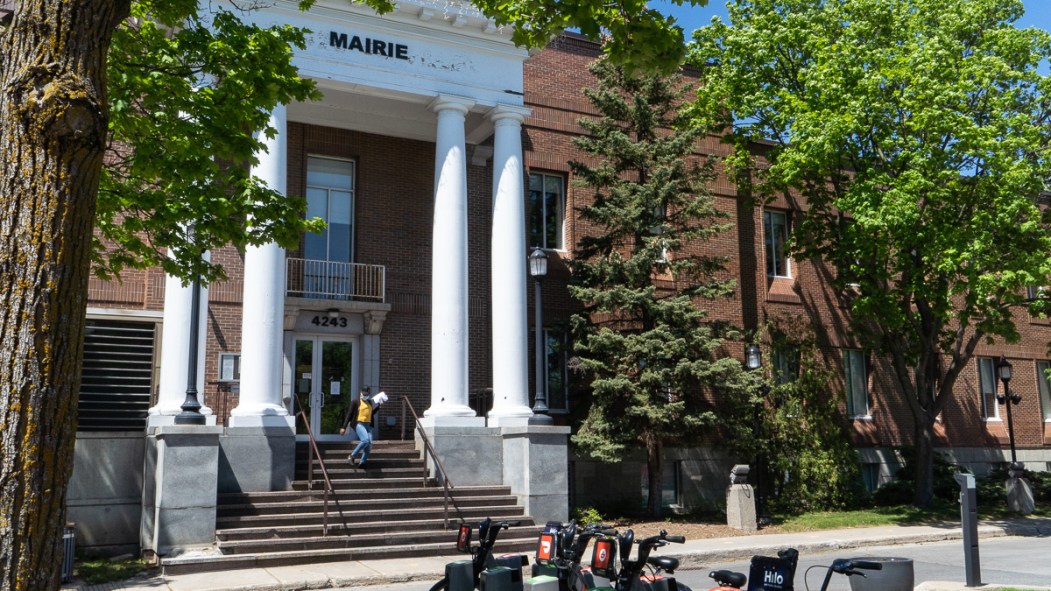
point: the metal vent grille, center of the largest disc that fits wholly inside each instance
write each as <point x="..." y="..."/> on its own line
<point x="117" y="378"/>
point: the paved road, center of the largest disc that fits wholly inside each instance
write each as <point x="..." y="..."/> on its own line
<point x="1009" y="560"/>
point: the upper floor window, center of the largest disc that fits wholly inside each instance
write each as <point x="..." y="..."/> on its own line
<point x="330" y="196"/>
<point x="775" y="233"/>
<point x="547" y="211"/>
<point x="857" y="379"/>
<point x="987" y="388"/>
<point x="1044" y="382"/>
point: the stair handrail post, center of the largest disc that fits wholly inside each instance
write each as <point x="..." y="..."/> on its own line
<point x="313" y="450"/>
<point x="446" y="485"/>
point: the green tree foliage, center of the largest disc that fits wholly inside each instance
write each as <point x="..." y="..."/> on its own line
<point x="918" y="132"/>
<point x="642" y="339"/>
<point x="804" y="437"/>
<point x="172" y="100"/>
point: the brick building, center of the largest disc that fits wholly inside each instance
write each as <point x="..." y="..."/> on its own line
<point x="438" y="156"/>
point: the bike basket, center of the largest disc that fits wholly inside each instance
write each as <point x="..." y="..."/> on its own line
<point x="463" y="540"/>
<point x="771" y="574"/>
<point x="545" y="548"/>
<point x="603" y="558"/>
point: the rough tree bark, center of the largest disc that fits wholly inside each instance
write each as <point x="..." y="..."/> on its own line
<point x="53" y="123"/>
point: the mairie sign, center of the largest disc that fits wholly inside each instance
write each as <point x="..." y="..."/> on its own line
<point x="367" y="45"/>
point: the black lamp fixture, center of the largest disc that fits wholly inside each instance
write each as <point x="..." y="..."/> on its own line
<point x="191" y="408"/>
<point x="753" y="356"/>
<point x="1009" y="399"/>
<point x="538" y="270"/>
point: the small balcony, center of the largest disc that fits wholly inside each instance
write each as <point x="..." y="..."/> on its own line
<point x="332" y="280"/>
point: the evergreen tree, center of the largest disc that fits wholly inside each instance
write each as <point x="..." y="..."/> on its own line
<point x="641" y="271"/>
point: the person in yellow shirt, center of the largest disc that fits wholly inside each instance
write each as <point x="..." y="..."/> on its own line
<point x="361" y="422"/>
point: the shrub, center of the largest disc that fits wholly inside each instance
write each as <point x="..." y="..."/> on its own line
<point x="587" y="515"/>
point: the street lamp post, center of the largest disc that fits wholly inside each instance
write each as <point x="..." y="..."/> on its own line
<point x="191" y="408"/>
<point x="1010" y="399"/>
<point x="753" y="360"/>
<point x="538" y="269"/>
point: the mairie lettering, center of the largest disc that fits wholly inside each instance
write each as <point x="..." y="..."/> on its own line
<point x="368" y="45"/>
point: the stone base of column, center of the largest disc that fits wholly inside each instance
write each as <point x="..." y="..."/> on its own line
<point x="469" y="451"/>
<point x="532" y="460"/>
<point x="519" y="419"/>
<point x="167" y="420"/>
<point x="263" y="421"/>
<point x="256" y="459"/>
<point x="179" y="489"/>
<point x="536" y="467"/>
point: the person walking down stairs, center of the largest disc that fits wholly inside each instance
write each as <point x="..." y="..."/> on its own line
<point x="361" y="422"/>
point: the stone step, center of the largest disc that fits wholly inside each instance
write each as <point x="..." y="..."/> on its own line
<point x="192" y="563"/>
<point x="385" y="528"/>
<point x="378" y="505"/>
<point x="410" y="490"/>
<point x="504" y="512"/>
<point x="375" y="470"/>
<point x="388" y="482"/>
<point x="333" y="540"/>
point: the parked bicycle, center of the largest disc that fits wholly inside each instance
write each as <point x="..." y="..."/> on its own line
<point x="633" y="575"/>
<point x="562" y="547"/>
<point x="733" y="581"/>
<point x="481" y="555"/>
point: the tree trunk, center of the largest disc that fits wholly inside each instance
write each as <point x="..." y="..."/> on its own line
<point x="655" y="478"/>
<point x="53" y="120"/>
<point x="923" y="469"/>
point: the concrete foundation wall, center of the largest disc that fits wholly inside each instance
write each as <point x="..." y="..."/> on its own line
<point x="104" y="497"/>
<point x="256" y="459"/>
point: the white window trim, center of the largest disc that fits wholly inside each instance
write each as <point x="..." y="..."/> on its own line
<point x="1041" y="365"/>
<point x="981" y="395"/>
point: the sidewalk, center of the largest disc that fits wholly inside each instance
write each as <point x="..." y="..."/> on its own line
<point x="696" y="554"/>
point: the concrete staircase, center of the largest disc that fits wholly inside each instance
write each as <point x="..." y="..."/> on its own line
<point x="390" y="510"/>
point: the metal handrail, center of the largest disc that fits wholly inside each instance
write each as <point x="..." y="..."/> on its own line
<point x="427" y="447"/>
<point x="310" y="467"/>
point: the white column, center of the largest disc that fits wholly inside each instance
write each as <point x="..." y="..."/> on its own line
<point x="449" y="263"/>
<point x="262" y="322"/>
<point x="175" y="353"/>
<point x="510" y="324"/>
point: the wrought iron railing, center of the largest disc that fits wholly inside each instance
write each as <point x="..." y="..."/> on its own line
<point x="312" y="453"/>
<point x="429" y="449"/>
<point x="310" y="278"/>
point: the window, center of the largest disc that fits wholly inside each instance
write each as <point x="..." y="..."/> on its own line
<point x="330" y="196"/>
<point x="775" y="233"/>
<point x="786" y="365"/>
<point x="547" y="211"/>
<point x="870" y="477"/>
<point x="116" y="382"/>
<point x="555" y="370"/>
<point x="987" y="388"/>
<point x="857" y="383"/>
<point x="1042" y="368"/>
<point x="670" y="483"/>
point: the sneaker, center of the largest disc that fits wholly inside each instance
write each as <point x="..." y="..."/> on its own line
<point x="363" y="465"/>
<point x="351" y="459"/>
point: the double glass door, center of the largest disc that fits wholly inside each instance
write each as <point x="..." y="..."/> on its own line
<point x="325" y="377"/>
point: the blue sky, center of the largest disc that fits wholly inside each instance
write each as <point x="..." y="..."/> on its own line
<point x="1037" y="14"/>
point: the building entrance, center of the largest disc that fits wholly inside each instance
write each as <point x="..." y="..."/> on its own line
<point x="324" y="380"/>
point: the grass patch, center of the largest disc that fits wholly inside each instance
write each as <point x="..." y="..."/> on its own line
<point x="899" y="515"/>
<point x="95" y="571"/>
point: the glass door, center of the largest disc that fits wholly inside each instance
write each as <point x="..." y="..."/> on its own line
<point x="324" y="382"/>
